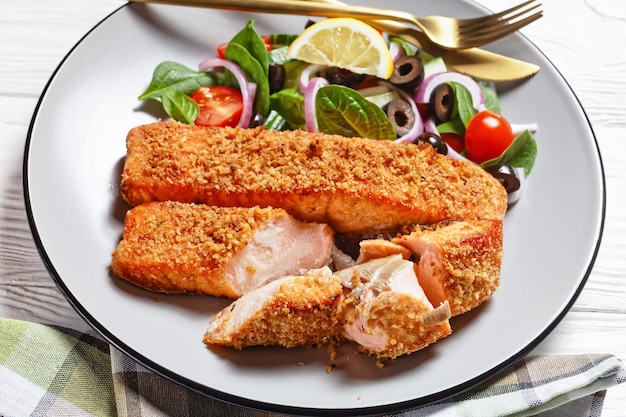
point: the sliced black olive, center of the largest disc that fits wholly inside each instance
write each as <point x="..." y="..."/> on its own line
<point x="433" y="140"/>
<point x="442" y="102"/>
<point x="401" y="116"/>
<point x="408" y="72"/>
<point x="277" y="76"/>
<point x="342" y="76"/>
<point x="507" y="175"/>
<point x="257" y="120"/>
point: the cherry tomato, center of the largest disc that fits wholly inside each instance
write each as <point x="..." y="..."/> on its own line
<point x="221" y="48"/>
<point x="219" y="105"/>
<point x="487" y="136"/>
<point x="454" y="141"/>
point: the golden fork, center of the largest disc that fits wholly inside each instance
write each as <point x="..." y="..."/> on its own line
<point x="447" y="32"/>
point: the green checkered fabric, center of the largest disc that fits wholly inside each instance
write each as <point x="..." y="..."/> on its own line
<point x="48" y="371"/>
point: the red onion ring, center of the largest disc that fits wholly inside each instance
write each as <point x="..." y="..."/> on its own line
<point x="517" y="194"/>
<point x="426" y="88"/>
<point x="248" y="89"/>
<point x="305" y="75"/>
<point x="518" y="128"/>
<point x="396" y="51"/>
<point x="430" y="126"/>
<point x="309" y="102"/>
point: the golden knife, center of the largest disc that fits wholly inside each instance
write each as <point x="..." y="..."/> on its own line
<point x="475" y="62"/>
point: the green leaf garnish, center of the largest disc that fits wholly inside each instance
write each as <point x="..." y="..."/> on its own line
<point x="289" y="103"/>
<point x="172" y="76"/>
<point x="180" y="106"/>
<point x="343" y="111"/>
<point x="520" y="154"/>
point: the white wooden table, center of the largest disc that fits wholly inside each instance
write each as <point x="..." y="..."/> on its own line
<point x="585" y="39"/>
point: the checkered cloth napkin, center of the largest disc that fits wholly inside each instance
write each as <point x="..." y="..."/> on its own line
<point x="51" y="371"/>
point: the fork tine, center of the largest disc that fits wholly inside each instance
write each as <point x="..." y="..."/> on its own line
<point x="490" y="22"/>
<point x="488" y="28"/>
<point x="493" y="16"/>
<point x="504" y="30"/>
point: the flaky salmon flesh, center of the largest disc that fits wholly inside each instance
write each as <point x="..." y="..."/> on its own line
<point x="387" y="312"/>
<point x="354" y="185"/>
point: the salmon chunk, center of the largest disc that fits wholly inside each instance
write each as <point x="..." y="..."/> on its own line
<point x="354" y="185"/>
<point x="292" y="311"/>
<point x="459" y="262"/>
<point x="370" y="249"/>
<point x="174" y="247"/>
<point x="387" y="312"/>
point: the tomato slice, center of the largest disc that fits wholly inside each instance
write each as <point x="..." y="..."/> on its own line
<point x="454" y="141"/>
<point x="219" y="105"/>
<point x="221" y="48"/>
<point x="487" y="136"/>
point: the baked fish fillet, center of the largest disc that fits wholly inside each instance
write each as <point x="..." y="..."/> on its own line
<point x="291" y="311"/>
<point x="457" y="262"/>
<point x="354" y="185"/>
<point x="387" y="312"/>
<point x="175" y="247"/>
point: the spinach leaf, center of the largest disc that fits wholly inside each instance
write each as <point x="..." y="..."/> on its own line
<point x="492" y="102"/>
<point x="342" y="110"/>
<point x="180" y="106"/>
<point x="248" y="50"/>
<point x="452" y="126"/>
<point x="254" y="73"/>
<point x="249" y="39"/>
<point x="464" y="105"/>
<point x="520" y="154"/>
<point x="289" y="103"/>
<point x="172" y="76"/>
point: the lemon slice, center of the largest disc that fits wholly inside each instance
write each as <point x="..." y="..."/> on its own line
<point x="345" y="43"/>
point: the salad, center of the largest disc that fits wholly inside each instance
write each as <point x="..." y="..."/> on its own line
<point x="258" y="80"/>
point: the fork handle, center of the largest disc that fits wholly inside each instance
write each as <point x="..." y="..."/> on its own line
<point x="308" y="8"/>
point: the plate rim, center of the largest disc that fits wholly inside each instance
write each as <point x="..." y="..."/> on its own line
<point x="265" y="406"/>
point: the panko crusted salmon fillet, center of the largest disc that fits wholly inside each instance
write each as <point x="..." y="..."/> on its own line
<point x="352" y="184"/>
<point x="174" y="247"/>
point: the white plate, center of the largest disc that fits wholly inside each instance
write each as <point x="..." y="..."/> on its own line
<point x="73" y="160"/>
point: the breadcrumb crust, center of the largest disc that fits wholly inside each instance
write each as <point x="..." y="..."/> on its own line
<point x="352" y="184"/>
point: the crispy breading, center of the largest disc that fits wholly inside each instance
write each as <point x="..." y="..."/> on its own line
<point x="174" y="247"/>
<point x="457" y="261"/>
<point x="355" y="185"/>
